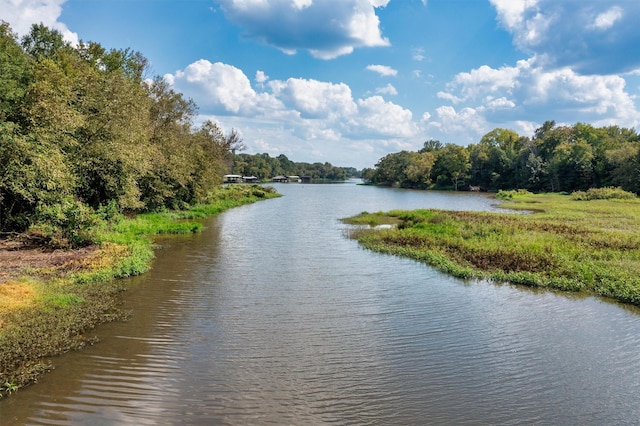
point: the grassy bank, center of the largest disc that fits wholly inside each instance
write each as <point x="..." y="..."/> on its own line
<point x="587" y="241"/>
<point x="50" y="310"/>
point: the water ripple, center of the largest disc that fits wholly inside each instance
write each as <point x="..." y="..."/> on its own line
<point x="271" y="316"/>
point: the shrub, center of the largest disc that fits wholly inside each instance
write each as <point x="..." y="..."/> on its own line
<point x="110" y="212"/>
<point x="68" y="224"/>
<point x="607" y="193"/>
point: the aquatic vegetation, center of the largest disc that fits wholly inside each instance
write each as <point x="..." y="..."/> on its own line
<point x="566" y="244"/>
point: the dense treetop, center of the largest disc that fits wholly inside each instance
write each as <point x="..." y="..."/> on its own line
<point x="556" y="158"/>
<point x="81" y="128"/>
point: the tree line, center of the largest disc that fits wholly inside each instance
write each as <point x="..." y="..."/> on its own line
<point x="264" y="167"/>
<point x="556" y="158"/>
<point x="83" y="130"/>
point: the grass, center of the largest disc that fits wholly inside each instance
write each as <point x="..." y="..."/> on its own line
<point x="50" y="310"/>
<point x="588" y="242"/>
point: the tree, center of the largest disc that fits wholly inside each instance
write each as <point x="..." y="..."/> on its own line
<point x="209" y="151"/>
<point x="432" y="145"/>
<point x="391" y="169"/>
<point x="496" y="158"/>
<point x="530" y="169"/>
<point x="624" y="163"/>
<point x="32" y="173"/>
<point x="170" y="119"/>
<point x="418" y="172"/>
<point x="368" y="174"/>
<point x="570" y="166"/>
<point x="43" y="42"/>
<point x="287" y="166"/>
<point x="80" y="128"/>
<point x="112" y="152"/>
<point x="451" y="166"/>
<point x="16" y="74"/>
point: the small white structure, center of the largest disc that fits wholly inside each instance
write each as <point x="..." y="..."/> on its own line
<point x="231" y="179"/>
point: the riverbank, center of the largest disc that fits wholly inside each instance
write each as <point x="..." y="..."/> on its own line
<point x="587" y="242"/>
<point x="50" y="300"/>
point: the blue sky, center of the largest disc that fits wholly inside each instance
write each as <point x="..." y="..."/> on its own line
<point x="349" y="81"/>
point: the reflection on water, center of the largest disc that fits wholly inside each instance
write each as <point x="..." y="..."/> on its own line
<point x="272" y="316"/>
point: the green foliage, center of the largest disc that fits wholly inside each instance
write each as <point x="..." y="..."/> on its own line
<point x="110" y="212"/>
<point x="608" y="193"/>
<point x="556" y="159"/>
<point x="68" y="224"/>
<point x="42" y="42"/>
<point x="8" y="388"/>
<point x="81" y="122"/>
<point x="15" y="75"/>
<point x="264" y="167"/>
<point x="451" y="167"/>
<point x="32" y="172"/>
<point x="371" y="219"/>
<point x="404" y="169"/>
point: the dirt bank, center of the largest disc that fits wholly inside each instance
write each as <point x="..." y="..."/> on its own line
<point x="19" y="258"/>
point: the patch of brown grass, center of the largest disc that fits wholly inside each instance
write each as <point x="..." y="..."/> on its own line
<point x="15" y="295"/>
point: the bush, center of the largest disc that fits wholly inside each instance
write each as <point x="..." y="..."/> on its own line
<point x="110" y="212"/>
<point x="68" y="224"/>
<point x="607" y="193"/>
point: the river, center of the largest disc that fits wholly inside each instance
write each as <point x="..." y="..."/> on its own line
<point x="273" y="316"/>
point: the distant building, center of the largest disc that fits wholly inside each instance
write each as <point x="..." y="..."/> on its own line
<point x="231" y="179"/>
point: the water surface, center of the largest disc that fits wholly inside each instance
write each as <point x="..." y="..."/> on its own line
<point x="273" y="316"/>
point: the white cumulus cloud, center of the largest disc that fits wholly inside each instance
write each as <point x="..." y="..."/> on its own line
<point x="261" y="77"/>
<point x="529" y="93"/>
<point x="590" y="36"/>
<point x="325" y="28"/>
<point x="458" y="126"/>
<point x="223" y="87"/>
<point x="383" y="70"/>
<point x="379" y="117"/>
<point x="389" y="89"/>
<point x="21" y="14"/>
<point x="607" y="19"/>
<point x="299" y="116"/>
<point x="313" y="98"/>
